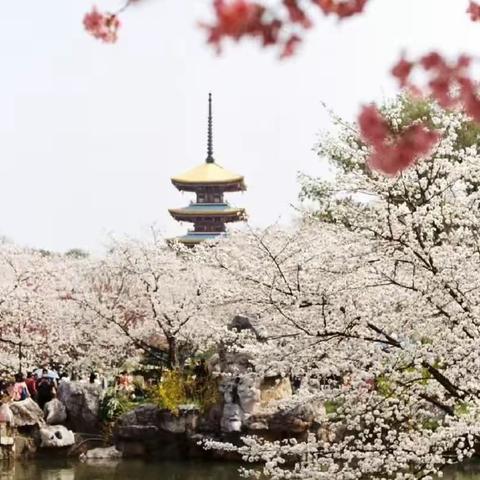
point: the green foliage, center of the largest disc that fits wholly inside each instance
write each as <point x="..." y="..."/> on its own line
<point x="384" y="386"/>
<point x="461" y="409"/>
<point x="414" y="110"/>
<point x="430" y="424"/>
<point x="468" y="134"/>
<point x="426" y="376"/>
<point x="207" y="394"/>
<point x="331" y="407"/>
<point x="76" y="253"/>
<point x="114" y="404"/>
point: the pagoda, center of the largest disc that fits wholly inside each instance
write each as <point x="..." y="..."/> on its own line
<point x="209" y="181"/>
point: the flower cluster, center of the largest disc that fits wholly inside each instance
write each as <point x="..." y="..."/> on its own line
<point x="103" y="26"/>
<point x="237" y="19"/>
<point x="449" y="83"/>
<point x="474" y="11"/>
<point x="392" y="155"/>
<point x="342" y="9"/>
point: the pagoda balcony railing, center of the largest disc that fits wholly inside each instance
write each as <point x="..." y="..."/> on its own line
<point x="209" y="203"/>
<point x="210" y="232"/>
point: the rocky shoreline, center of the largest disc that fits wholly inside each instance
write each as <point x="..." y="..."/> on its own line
<point x="72" y="425"/>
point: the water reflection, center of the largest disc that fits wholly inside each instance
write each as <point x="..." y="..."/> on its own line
<point x="467" y="471"/>
<point x="124" y="470"/>
<point x="137" y="470"/>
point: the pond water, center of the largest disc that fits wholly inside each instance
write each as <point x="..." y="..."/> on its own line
<point x="139" y="470"/>
<point x="124" y="470"/>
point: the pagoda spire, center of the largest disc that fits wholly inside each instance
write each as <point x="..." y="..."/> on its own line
<point x="209" y="158"/>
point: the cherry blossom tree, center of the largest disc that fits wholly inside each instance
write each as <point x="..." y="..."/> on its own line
<point x="40" y="324"/>
<point x="21" y="312"/>
<point x="154" y="297"/>
<point x="34" y="324"/>
<point x="374" y="304"/>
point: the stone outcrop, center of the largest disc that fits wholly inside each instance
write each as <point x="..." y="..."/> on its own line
<point x="150" y="418"/>
<point x="82" y="403"/>
<point x="109" y="453"/>
<point x="274" y="389"/>
<point x="7" y="442"/>
<point x="32" y="432"/>
<point x="151" y="431"/>
<point x="25" y="446"/>
<point x="246" y="402"/>
<point x="232" y="418"/>
<point x="26" y="413"/>
<point x="55" y="412"/>
<point x="252" y="404"/>
<point x="55" y="436"/>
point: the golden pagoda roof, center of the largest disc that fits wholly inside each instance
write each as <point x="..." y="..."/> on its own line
<point x="208" y="173"/>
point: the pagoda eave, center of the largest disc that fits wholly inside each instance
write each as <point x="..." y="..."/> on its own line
<point x="220" y="216"/>
<point x="237" y="186"/>
<point x="194" y="238"/>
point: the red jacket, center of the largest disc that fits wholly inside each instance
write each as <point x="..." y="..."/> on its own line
<point x="31" y="385"/>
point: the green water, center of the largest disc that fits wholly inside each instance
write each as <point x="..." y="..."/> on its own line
<point x="124" y="470"/>
<point x="140" y="470"/>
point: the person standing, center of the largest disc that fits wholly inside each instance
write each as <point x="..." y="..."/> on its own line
<point x="45" y="389"/>
<point x="20" y="390"/>
<point x="31" y="383"/>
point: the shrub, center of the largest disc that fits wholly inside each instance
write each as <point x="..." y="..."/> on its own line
<point x="177" y="389"/>
<point x="114" y="404"/>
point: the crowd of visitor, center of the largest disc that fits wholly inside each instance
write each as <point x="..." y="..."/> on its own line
<point x="40" y="385"/>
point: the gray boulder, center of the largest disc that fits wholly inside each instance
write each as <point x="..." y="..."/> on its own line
<point x="232" y="418"/>
<point x="82" y="403"/>
<point x="158" y="433"/>
<point x="26" y="413"/>
<point x="109" y="453"/>
<point x="55" y="412"/>
<point x="147" y="420"/>
<point x="55" y="436"/>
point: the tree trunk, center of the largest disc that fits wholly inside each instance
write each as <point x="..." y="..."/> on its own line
<point x="172" y="352"/>
<point x="20" y="357"/>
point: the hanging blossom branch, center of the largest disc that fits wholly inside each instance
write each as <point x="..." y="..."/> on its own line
<point x="391" y="152"/>
<point x="449" y="83"/>
<point x="239" y="19"/>
<point x="104" y="25"/>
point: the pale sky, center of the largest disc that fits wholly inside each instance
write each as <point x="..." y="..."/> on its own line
<point x="90" y="134"/>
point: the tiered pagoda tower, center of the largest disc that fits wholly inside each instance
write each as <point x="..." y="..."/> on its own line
<point x="209" y="181"/>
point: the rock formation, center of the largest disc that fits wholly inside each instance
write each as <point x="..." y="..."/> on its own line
<point x="109" y="453"/>
<point x="55" y="412"/>
<point x="26" y="413"/>
<point x="55" y="436"/>
<point x="82" y="403"/>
